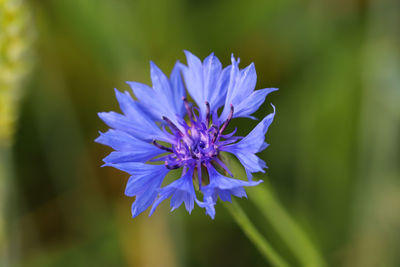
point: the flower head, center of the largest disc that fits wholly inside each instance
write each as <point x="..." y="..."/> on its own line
<point x="162" y="131"/>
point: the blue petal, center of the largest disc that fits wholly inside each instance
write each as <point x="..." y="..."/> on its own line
<point x="181" y="190"/>
<point x="209" y="205"/>
<point x="131" y="156"/>
<point x="145" y="181"/>
<point x="223" y="187"/>
<point x="160" y="82"/>
<point x="178" y="89"/>
<point x="255" y="140"/>
<point x="144" y="187"/>
<point x="146" y="99"/>
<point x="220" y="183"/>
<point x="215" y="82"/>
<point x="143" y="201"/>
<point x="128" y="147"/>
<point x="241" y="92"/>
<point x="117" y="139"/>
<point x="251" y="144"/>
<point x="245" y="84"/>
<point x="171" y="104"/>
<point x="143" y="175"/>
<point x="234" y="75"/>
<point x="134" y="121"/>
<point x="218" y="94"/>
<point x="251" y="104"/>
<point x="250" y="161"/>
<point x="206" y="81"/>
<point x="193" y="75"/>
<point x="136" y="168"/>
<point x="135" y="128"/>
<point x="161" y="100"/>
<point x="117" y="121"/>
<point x="130" y="107"/>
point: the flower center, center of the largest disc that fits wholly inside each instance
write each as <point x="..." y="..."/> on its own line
<point x="197" y="140"/>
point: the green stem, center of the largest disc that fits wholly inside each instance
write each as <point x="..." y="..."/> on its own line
<point x="254" y="235"/>
<point x="5" y="179"/>
<point x="290" y="232"/>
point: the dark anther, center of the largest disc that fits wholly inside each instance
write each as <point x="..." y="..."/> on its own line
<point x="224" y="125"/>
<point x="215" y="136"/>
<point x="161" y="146"/>
<point x="221" y="130"/>
<point x="191" y="150"/>
<point x="187" y="107"/>
<point x="171" y="167"/>
<point x="213" y="126"/>
<point x="207" y="114"/>
<point x="202" y="145"/>
<point x="172" y="125"/>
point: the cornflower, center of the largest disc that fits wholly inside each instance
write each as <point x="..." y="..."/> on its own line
<point x="162" y="131"/>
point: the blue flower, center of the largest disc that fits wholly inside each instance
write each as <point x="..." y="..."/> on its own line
<point x="162" y="131"/>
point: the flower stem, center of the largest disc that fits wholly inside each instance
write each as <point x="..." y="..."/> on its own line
<point x="254" y="235"/>
<point x="290" y="232"/>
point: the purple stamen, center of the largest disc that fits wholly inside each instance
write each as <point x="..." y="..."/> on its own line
<point x="187" y="107"/>
<point x="172" y="167"/>
<point x="229" y="135"/>
<point x="172" y="125"/>
<point x="227" y="120"/>
<point x="215" y="137"/>
<point x="184" y="170"/>
<point x="207" y="113"/>
<point x="199" y="143"/>
<point x="222" y="164"/>
<point x="162" y="147"/>
<point x="199" y="173"/>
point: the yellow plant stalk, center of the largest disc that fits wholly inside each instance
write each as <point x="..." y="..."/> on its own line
<point x="15" y="40"/>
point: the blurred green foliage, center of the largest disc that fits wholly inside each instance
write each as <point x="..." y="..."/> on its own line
<point x="334" y="154"/>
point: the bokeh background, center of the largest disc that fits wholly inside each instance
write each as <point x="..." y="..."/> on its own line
<point x="334" y="159"/>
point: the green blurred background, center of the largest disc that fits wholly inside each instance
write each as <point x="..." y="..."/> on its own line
<point x="334" y="159"/>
